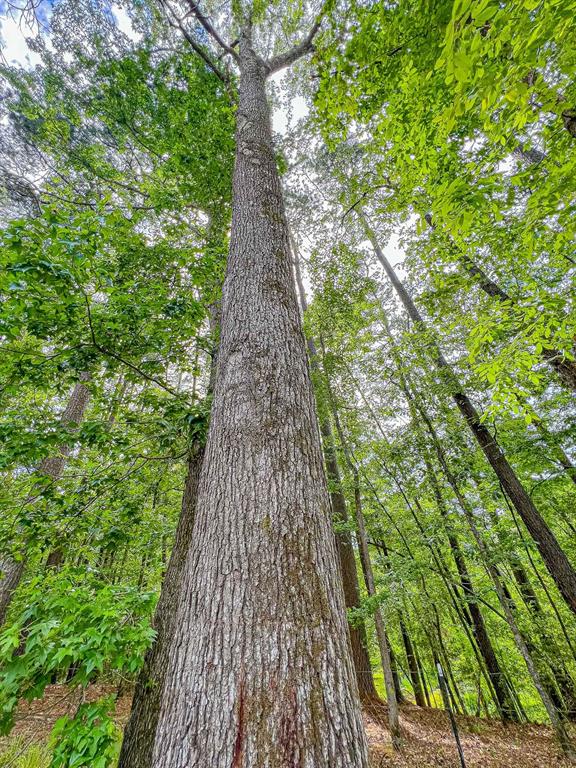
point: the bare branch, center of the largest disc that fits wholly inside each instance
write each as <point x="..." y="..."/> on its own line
<point x="303" y="48"/>
<point x="210" y="29"/>
<point x="175" y="22"/>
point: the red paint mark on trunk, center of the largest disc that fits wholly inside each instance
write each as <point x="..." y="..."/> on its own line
<point x="239" y="743"/>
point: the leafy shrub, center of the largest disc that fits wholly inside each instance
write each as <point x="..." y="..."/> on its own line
<point x="90" y="738"/>
<point x="74" y="625"/>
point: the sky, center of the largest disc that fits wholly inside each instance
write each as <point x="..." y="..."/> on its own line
<point x="13" y="34"/>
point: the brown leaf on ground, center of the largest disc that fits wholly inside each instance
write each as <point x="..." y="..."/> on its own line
<point x="428" y="740"/>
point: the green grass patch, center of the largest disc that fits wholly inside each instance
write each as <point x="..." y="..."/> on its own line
<point x="17" y="753"/>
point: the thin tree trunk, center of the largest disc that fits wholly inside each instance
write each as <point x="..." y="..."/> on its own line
<point x="565" y="368"/>
<point x="551" y="707"/>
<point x="383" y="644"/>
<point x="472" y="613"/>
<point x="423" y="678"/>
<point x="365" y="560"/>
<point x="12" y="570"/>
<point x="412" y="666"/>
<point x="56" y="555"/>
<point x="400" y="698"/>
<point x="357" y="629"/>
<point x="504" y="599"/>
<point x="476" y="621"/>
<point x="552" y="554"/>
<point x="140" y="731"/>
<point x="260" y="672"/>
<point x="410" y="656"/>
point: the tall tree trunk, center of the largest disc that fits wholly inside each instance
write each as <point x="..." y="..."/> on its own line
<point x="357" y="629"/>
<point x="552" y="554"/>
<point x="140" y="732"/>
<point x="423" y="678"/>
<point x="383" y="643"/>
<point x="260" y="672"/>
<point x="12" y="570"/>
<point x="400" y="698"/>
<point x="411" y="658"/>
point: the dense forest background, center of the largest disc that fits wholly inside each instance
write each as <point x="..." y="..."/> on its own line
<point x="426" y="153"/>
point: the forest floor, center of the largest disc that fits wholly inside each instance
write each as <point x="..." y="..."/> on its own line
<point x="428" y="740"/>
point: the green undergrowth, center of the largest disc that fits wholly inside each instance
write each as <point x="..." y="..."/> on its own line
<point x="19" y="753"/>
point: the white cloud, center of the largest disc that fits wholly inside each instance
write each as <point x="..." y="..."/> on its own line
<point x="124" y="23"/>
<point x="14" y="33"/>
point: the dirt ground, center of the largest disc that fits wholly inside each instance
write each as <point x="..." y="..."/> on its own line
<point x="428" y="740"/>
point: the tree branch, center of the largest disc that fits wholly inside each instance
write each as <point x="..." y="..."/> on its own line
<point x="176" y="23"/>
<point x="210" y="29"/>
<point x="109" y="353"/>
<point x="306" y="46"/>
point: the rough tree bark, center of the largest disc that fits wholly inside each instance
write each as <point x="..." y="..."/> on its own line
<point x="260" y="673"/>
<point x="11" y="570"/>
<point x="552" y="554"/>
